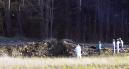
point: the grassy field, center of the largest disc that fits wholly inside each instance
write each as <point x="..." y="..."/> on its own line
<point x="110" y="62"/>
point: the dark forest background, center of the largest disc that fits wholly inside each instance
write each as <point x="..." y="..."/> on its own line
<point x="80" y="20"/>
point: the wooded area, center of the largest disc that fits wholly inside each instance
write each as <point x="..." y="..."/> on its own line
<point x="80" y="20"/>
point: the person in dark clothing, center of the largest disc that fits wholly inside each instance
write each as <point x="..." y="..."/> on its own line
<point x="99" y="47"/>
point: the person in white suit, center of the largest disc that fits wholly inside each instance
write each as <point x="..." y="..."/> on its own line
<point x="121" y="44"/>
<point x="114" y="46"/>
<point x="118" y="45"/>
<point x="78" y="51"/>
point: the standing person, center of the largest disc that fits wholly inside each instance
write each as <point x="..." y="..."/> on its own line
<point x="78" y="51"/>
<point x="118" y="44"/>
<point x="99" y="47"/>
<point x="114" y="46"/>
<point x="121" y="44"/>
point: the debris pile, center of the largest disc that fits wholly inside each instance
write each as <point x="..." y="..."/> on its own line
<point x="51" y="48"/>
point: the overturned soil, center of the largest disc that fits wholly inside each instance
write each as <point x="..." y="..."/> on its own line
<point x="53" y="48"/>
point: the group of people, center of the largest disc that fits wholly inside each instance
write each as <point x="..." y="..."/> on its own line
<point x="118" y="45"/>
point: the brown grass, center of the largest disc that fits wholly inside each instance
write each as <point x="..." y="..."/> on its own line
<point x="65" y="63"/>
